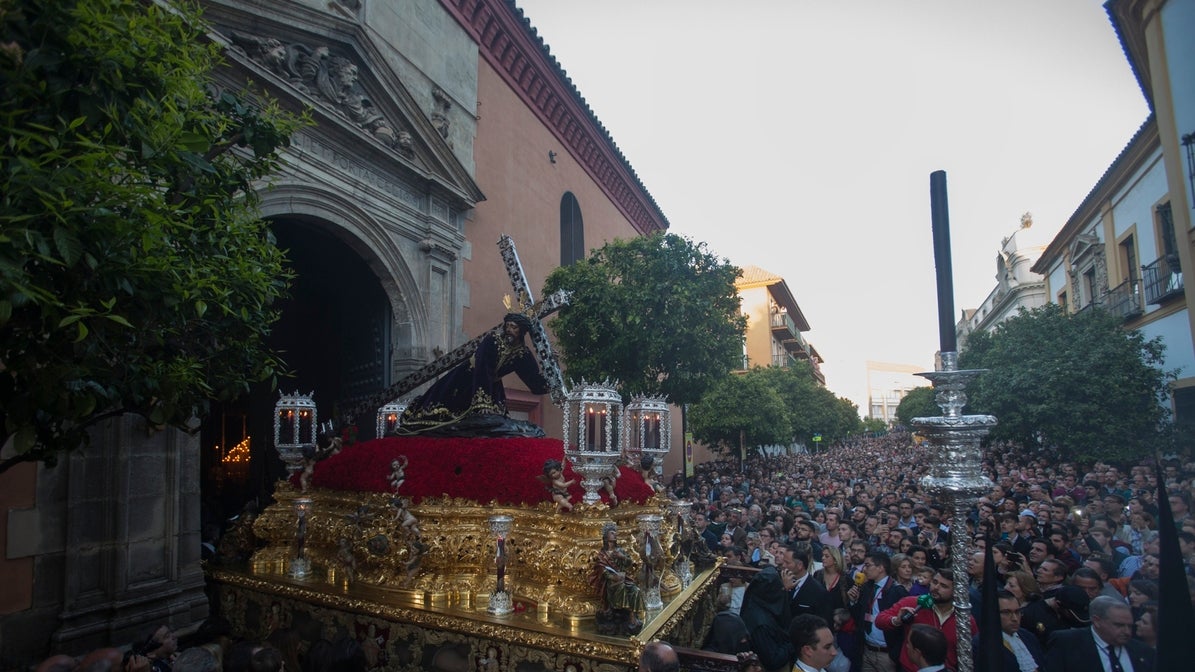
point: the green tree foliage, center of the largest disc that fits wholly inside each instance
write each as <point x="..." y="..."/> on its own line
<point x="1081" y="383"/>
<point x="135" y="273"/>
<point x="873" y="425"/>
<point x="741" y="407"/>
<point x="918" y="403"/>
<point x="812" y="408"/>
<point x="657" y="313"/>
<point x="745" y="403"/>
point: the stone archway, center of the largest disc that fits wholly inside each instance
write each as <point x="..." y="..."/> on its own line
<point x="344" y="333"/>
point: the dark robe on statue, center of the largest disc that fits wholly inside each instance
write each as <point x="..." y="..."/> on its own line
<point x="469" y="400"/>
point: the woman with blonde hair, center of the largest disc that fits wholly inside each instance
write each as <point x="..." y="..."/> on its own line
<point x="902" y="570"/>
<point x="831" y="577"/>
<point x="1022" y="585"/>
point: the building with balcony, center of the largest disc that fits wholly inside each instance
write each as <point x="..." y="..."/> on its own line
<point x="1120" y="252"/>
<point x="1156" y="39"/>
<point x="775" y="323"/>
<point x="1128" y="246"/>
<point x="1017" y="286"/>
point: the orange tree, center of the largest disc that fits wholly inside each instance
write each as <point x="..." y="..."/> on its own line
<point x="770" y="406"/>
<point x="1080" y="384"/>
<point x="918" y="403"/>
<point x="135" y="273"/>
<point x="659" y="314"/>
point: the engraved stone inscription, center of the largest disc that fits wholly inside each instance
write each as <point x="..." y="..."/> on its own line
<point x="342" y="161"/>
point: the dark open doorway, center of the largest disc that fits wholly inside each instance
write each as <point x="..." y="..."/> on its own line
<point x="333" y="333"/>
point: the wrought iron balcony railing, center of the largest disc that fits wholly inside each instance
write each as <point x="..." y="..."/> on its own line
<point x="1124" y="300"/>
<point x="781" y="322"/>
<point x="1163" y="279"/>
<point x="783" y="361"/>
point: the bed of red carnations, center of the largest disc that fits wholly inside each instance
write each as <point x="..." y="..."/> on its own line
<point x="504" y="471"/>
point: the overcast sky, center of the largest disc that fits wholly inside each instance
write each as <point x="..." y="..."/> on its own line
<point x="799" y="136"/>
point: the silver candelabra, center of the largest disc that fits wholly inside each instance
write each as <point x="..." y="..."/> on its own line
<point x="956" y="477"/>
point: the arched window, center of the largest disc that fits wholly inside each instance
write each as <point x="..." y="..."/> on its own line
<point x="572" y="230"/>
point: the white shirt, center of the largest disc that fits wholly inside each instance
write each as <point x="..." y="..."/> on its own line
<point x="802" y="667"/>
<point x="1024" y="659"/>
<point x="736" y="598"/>
<point x="876" y="636"/>
<point x="800" y="582"/>
<point x="1122" y="652"/>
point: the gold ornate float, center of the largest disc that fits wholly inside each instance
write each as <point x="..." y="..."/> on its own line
<point x="416" y="595"/>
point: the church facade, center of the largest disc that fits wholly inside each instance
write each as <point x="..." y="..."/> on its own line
<point x="444" y="126"/>
<point x="438" y="126"/>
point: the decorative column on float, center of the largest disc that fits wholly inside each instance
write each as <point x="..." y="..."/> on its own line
<point x="592" y="445"/>
<point x="647" y="431"/>
<point x="956" y="475"/>
<point x="294" y="428"/>
<point x="501" y="603"/>
<point x="300" y="566"/>
<point x="679" y="514"/>
<point x="389" y="416"/>
<point x="653" y="556"/>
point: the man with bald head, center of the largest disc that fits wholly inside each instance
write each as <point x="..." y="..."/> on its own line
<point x="658" y="657"/>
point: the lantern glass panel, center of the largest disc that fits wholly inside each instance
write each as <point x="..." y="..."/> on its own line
<point x="286" y="427"/>
<point x="306" y="426"/>
<point x="596" y="419"/>
<point x="636" y="423"/>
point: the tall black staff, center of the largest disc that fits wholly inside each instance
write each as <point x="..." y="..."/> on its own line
<point x="940" y="213"/>
<point x="956" y="474"/>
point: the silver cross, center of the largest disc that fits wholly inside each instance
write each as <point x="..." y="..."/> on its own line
<point x="539" y="338"/>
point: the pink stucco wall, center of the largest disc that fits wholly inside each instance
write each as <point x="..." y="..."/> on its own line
<point x="523" y="189"/>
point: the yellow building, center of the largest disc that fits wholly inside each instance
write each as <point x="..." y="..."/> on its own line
<point x="774" y="323"/>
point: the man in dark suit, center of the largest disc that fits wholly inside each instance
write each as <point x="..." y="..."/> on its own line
<point x="806" y="594"/>
<point x="734" y="527"/>
<point x="711" y="538"/>
<point x="881" y="650"/>
<point x="1022" y="652"/>
<point x="1107" y="645"/>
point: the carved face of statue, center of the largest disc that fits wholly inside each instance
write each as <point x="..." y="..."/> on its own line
<point x="345" y="73"/>
<point x="273" y="54"/>
<point x="610" y="538"/>
<point x="512" y="331"/>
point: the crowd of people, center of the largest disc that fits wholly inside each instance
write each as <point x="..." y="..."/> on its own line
<point x="854" y="558"/>
<point x="854" y="569"/>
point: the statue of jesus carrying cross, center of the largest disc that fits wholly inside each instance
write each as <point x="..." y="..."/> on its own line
<point x="469" y="399"/>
